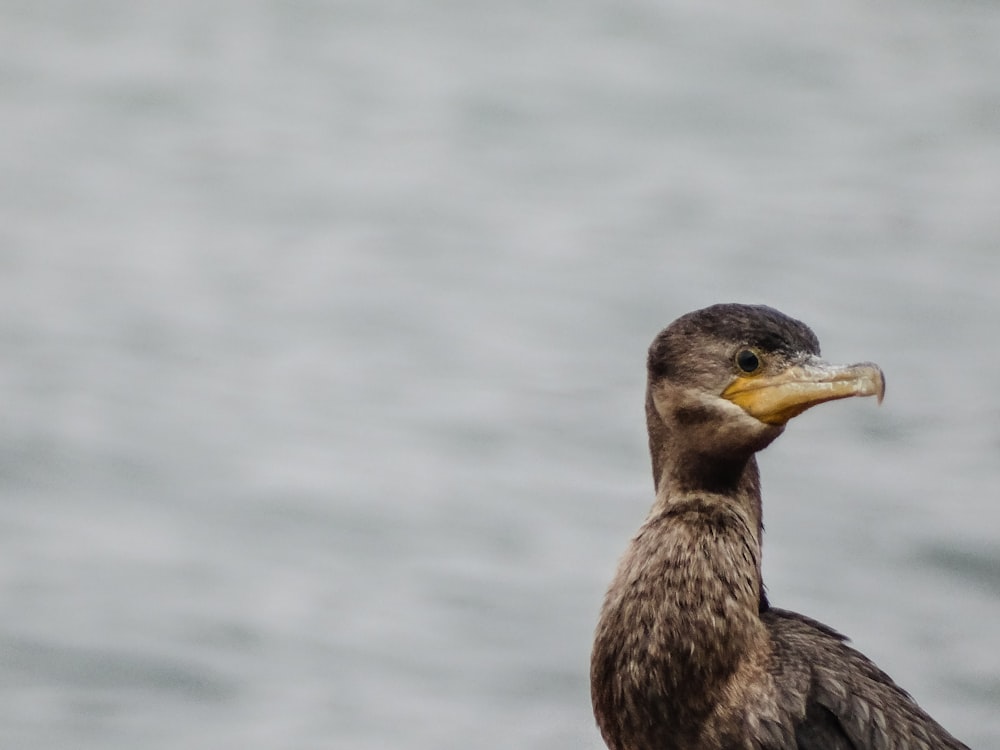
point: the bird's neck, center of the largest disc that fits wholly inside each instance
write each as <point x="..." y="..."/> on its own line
<point x="682" y="468"/>
<point x="726" y="495"/>
<point x="732" y="481"/>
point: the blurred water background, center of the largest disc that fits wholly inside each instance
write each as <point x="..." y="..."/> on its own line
<point x="324" y="326"/>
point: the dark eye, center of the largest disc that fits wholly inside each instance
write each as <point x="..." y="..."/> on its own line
<point x="747" y="360"/>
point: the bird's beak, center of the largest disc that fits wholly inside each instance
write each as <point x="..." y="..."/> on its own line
<point x="775" y="399"/>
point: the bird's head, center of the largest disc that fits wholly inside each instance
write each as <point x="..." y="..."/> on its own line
<point x="724" y="381"/>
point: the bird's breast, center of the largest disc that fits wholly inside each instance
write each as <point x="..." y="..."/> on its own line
<point x="679" y="621"/>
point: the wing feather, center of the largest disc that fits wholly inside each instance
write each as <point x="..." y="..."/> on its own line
<point x="850" y="704"/>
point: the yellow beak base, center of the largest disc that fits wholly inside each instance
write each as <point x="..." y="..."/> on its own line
<point x="775" y="399"/>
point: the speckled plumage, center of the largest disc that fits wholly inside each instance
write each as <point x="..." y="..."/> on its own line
<point x="688" y="654"/>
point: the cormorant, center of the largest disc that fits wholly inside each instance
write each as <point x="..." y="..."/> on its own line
<point x="688" y="654"/>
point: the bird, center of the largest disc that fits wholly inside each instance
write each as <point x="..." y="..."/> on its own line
<point x="688" y="653"/>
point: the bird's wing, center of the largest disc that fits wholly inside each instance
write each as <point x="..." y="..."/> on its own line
<point x="841" y="700"/>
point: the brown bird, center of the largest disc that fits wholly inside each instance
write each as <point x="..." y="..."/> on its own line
<point x="688" y="653"/>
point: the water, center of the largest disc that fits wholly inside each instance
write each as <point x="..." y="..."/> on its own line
<point x="325" y="323"/>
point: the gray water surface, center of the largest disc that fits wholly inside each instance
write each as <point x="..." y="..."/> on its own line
<point x="324" y="328"/>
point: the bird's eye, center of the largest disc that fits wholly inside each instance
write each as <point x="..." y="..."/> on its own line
<point x="747" y="360"/>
